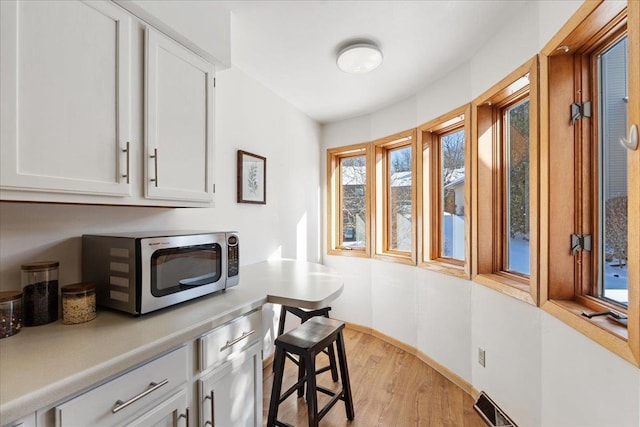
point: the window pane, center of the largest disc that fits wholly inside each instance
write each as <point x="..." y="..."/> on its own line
<point x="613" y="281"/>
<point x="452" y="195"/>
<point x="399" y="196"/>
<point x="353" y="178"/>
<point x="517" y="188"/>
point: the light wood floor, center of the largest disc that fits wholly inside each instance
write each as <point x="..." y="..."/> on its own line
<point x="390" y="388"/>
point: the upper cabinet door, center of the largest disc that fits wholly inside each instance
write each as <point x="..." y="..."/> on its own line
<point x="179" y="122"/>
<point x="65" y="95"/>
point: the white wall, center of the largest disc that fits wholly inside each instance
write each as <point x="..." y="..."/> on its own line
<point x="540" y="371"/>
<point x="248" y="117"/>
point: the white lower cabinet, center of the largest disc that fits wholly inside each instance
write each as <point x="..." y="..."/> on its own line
<point x="172" y="412"/>
<point x="28" y="421"/>
<point x="138" y="393"/>
<point x="211" y="380"/>
<point x="231" y="395"/>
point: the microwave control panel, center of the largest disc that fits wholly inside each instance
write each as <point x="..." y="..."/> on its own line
<point x="233" y="256"/>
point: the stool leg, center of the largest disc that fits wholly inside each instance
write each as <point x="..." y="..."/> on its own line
<point x="283" y="315"/>
<point x="332" y="358"/>
<point x="344" y="373"/>
<point x="312" y="396"/>
<point x="278" y="364"/>
<point x="332" y="363"/>
<point x="301" y="374"/>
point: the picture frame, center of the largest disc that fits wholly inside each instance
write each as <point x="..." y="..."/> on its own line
<point x="252" y="178"/>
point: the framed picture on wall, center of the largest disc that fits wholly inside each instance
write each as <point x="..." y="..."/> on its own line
<point x="252" y="178"/>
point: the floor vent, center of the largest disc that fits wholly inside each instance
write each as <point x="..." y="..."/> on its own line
<point x="491" y="413"/>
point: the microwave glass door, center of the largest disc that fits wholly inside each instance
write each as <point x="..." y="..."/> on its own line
<point x="177" y="269"/>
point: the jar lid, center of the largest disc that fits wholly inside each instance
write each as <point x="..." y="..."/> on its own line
<point x="10" y="295"/>
<point x="78" y="287"/>
<point x="40" y="265"/>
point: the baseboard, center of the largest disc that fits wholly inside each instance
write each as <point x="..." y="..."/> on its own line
<point x="448" y="374"/>
<point x="394" y="342"/>
<point x="268" y="361"/>
<point x="358" y="328"/>
<point x="445" y="372"/>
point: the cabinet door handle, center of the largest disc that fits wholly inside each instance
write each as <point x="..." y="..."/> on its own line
<point x="211" y="423"/>
<point x="120" y="405"/>
<point x="186" y="416"/>
<point x="237" y="340"/>
<point x="128" y="151"/>
<point x="155" y="166"/>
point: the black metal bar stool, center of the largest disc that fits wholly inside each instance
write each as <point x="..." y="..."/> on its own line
<point x="306" y="341"/>
<point x="305" y="315"/>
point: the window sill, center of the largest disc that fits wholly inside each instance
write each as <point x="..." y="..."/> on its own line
<point x="507" y="286"/>
<point x="445" y="268"/>
<point x="358" y="253"/>
<point x="602" y="330"/>
<point x="401" y="259"/>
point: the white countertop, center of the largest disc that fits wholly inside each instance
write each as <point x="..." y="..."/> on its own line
<point x="44" y="364"/>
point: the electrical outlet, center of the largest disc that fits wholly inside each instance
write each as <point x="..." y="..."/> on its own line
<point x="481" y="357"/>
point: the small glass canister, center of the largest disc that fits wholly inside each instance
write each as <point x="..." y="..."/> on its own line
<point x="10" y="313"/>
<point x="40" y="292"/>
<point x="78" y="303"/>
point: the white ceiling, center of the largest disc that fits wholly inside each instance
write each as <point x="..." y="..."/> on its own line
<point x="291" y="46"/>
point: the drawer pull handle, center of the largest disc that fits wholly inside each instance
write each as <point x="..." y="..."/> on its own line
<point x="154" y="156"/>
<point x="237" y="340"/>
<point x="120" y="405"/>
<point x="211" y="423"/>
<point x="186" y="416"/>
<point x="128" y="151"/>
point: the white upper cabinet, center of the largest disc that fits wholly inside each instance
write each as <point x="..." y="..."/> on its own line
<point x="178" y="122"/>
<point x="98" y="106"/>
<point x="65" y="96"/>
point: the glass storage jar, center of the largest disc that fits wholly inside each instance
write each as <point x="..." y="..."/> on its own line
<point x="78" y="303"/>
<point x="10" y="313"/>
<point x="40" y="292"/>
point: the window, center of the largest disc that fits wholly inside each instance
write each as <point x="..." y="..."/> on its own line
<point x="610" y="66"/>
<point x="395" y="197"/>
<point x="515" y="144"/>
<point x="348" y="200"/>
<point x="444" y="193"/>
<point x="451" y="186"/>
<point x="505" y="190"/>
<point x="592" y="234"/>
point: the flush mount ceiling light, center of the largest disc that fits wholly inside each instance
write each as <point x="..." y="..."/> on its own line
<point x="359" y="58"/>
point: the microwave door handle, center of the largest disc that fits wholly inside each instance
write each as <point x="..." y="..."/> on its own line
<point x="199" y="280"/>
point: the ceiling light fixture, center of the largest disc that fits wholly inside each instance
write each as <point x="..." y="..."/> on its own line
<point x="359" y="58"/>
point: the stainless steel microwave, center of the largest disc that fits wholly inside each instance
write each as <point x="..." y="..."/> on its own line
<point x="141" y="272"/>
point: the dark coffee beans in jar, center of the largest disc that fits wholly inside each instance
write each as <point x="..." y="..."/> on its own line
<point x="40" y="303"/>
<point x="40" y="293"/>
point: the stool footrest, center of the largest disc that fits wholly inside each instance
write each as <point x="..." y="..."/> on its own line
<point x="291" y="389"/>
<point x="329" y="405"/>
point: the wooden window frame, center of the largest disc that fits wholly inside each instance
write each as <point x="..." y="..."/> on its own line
<point x="565" y="71"/>
<point x="334" y="197"/>
<point x="429" y="192"/>
<point x="488" y="186"/>
<point x="380" y="220"/>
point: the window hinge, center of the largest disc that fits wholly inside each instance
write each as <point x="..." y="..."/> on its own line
<point x="214" y="82"/>
<point x="580" y="242"/>
<point x="214" y="189"/>
<point x="580" y="110"/>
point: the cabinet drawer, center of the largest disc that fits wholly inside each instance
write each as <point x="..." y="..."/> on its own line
<point x="229" y="338"/>
<point x="119" y="399"/>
